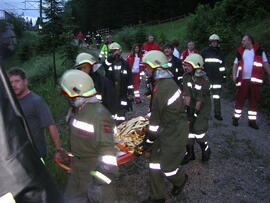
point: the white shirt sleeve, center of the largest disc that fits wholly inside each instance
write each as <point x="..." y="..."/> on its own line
<point x="235" y="60"/>
<point x="264" y="57"/>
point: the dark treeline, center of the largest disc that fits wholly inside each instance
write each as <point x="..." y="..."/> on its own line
<point x="92" y="15"/>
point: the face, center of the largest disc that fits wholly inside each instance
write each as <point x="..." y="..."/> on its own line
<point x="214" y="43"/>
<point x="168" y="51"/>
<point x="115" y="52"/>
<point x="191" y="45"/>
<point x="137" y="49"/>
<point x="187" y="67"/>
<point x="246" y="42"/>
<point x="18" y="84"/>
<point x="109" y="39"/>
<point x="86" y="67"/>
<point x="148" y="70"/>
<point x="150" y="39"/>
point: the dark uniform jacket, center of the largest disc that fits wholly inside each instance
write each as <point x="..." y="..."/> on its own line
<point x="168" y="120"/>
<point x="118" y="71"/>
<point x="198" y="89"/>
<point x="214" y="64"/>
<point x="105" y="91"/>
<point x="177" y="70"/>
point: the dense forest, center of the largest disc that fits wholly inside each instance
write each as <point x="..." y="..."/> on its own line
<point x="92" y="15"/>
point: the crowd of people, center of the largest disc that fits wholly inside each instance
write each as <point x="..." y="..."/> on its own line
<point x="180" y="87"/>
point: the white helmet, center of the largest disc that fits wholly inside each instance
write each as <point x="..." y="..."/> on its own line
<point x="76" y="83"/>
<point x="85" y="58"/>
<point x="214" y="37"/>
<point x="195" y="60"/>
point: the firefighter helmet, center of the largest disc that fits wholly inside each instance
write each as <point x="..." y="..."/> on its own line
<point x="155" y="59"/>
<point x="115" y="45"/>
<point x="85" y="58"/>
<point x="76" y="83"/>
<point x="195" y="60"/>
<point x="214" y="37"/>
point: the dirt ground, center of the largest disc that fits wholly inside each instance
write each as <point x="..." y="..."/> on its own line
<point x="238" y="171"/>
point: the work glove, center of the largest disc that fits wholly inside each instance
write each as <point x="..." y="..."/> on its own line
<point x="148" y="141"/>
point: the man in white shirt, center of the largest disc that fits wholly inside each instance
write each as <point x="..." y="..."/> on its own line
<point x="248" y="77"/>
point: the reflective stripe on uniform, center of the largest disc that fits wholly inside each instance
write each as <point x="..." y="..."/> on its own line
<point x="198" y="87"/>
<point x="136" y="93"/>
<point x="190" y="135"/>
<point x="216" y="96"/>
<point x="212" y="60"/>
<point x="237" y="113"/>
<point x="83" y="126"/>
<point x="221" y="69"/>
<point x="256" y="80"/>
<point x="117" y="67"/>
<point x="118" y="118"/>
<point x="109" y="160"/>
<point x="153" y="128"/>
<point x="215" y="86"/>
<point x="123" y="103"/>
<point x="7" y="198"/>
<point x="171" y="173"/>
<point x="124" y="72"/>
<point x="99" y="97"/>
<point x="155" y="166"/>
<point x="174" y="97"/>
<point x="179" y="78"/>
<point x="257" y="64"/>
<point x="176" y="70"/>
<point x="101" y="176"/>
<point x="189" y="84"/>
<point x="252" y="113"/>
<point x="149" y="141"/>
<point x="110" y="68"/>
<point x="199" y="136"/>
<point x="252" y="117"/>
<point x="130" y="87"/>
<point x="107" y="63"/>
<point x="238" y="84"/>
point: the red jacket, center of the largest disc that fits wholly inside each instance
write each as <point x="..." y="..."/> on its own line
<point x="150" y="46"/>
<point x="257" y="68"/>
<point x="130" y="59"/>
<point x="185" y="54"/>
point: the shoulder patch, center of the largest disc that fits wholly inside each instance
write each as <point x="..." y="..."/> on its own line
<point x="155" y="90"/>
<point x="205" y="78"/>
<point x="107" y="129"/>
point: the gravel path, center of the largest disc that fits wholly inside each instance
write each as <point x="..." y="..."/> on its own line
<point x="238" y="171"/>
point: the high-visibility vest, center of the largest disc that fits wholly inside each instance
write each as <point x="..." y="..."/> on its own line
<point x="257" y="68"/>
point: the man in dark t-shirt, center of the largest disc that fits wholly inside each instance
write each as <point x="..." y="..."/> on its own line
<point x="36" y="111"/>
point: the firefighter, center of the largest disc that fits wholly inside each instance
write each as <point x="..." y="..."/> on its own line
<point x="105" y="90"/>
<point x="118" y="71"/>
<point x="94" y="166"/>
<point x="214" y="67"/>
<point x="168" y="129"/>
<point x="198" y="106"/>
<point x="104" y="52"/>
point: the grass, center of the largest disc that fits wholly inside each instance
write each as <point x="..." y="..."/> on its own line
<point x="171" y="30"/>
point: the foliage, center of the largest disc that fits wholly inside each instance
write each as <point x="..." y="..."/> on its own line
<point x="129" y="36"/>
<point x="19" y="24"/>
<point x="93" y="15"/>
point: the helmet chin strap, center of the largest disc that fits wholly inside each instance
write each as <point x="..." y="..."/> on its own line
<point x="78" y="101"/>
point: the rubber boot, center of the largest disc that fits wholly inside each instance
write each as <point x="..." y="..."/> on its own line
<point x="189" y="155"/>
<point x="206" y="152"/>
<point x="178" y="189"/>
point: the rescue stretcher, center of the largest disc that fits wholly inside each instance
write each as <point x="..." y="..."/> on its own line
<point x="128" y="137"/>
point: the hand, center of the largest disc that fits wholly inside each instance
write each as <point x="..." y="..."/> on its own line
<point x="234" y="78"/>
